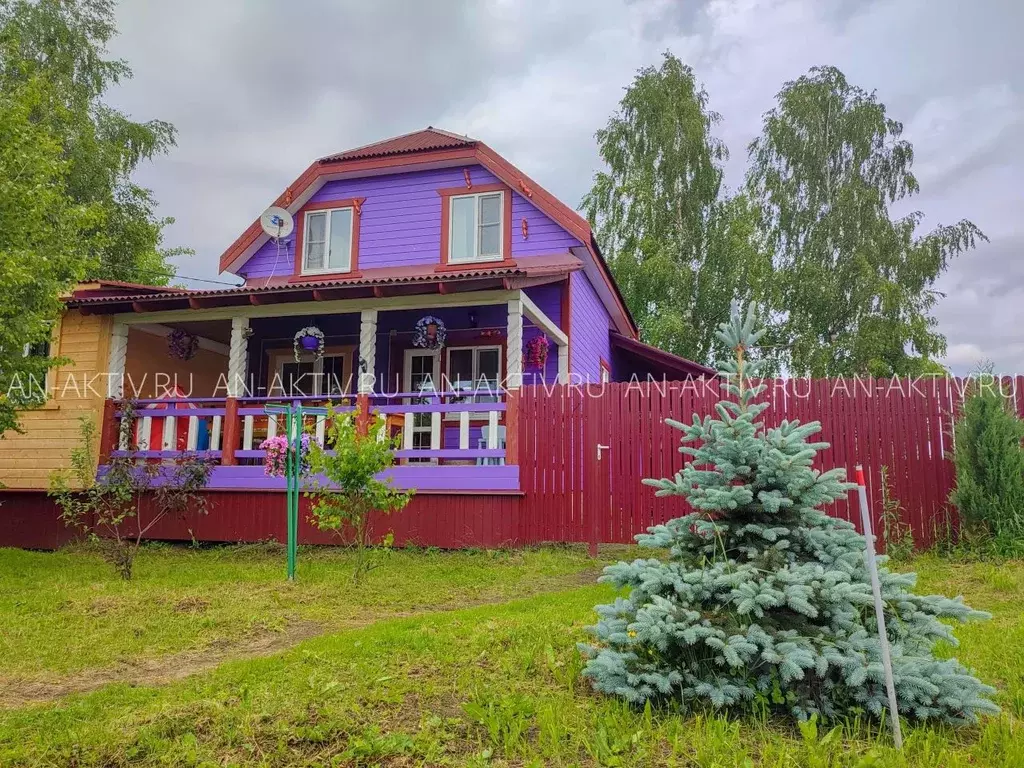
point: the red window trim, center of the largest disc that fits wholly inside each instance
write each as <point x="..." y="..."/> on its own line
<point x="356" y="204"/>
<point x="605" y="367"/>
<point x="506" y="246"/>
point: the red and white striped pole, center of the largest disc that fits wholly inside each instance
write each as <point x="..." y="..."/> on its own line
<point x="876" y="589"/>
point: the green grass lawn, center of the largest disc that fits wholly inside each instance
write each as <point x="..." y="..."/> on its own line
<point x="495" y="684"/>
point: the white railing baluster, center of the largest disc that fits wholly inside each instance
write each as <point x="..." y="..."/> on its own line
<point x="464" y="431"/>
<point x="321" y="428"/>
<point x="170" y="434"/>
<point x="492" y="430"/>
<point x="215" y="434"/>
<point x="193" y="433"/>
<point x="124" y="439"/>
<point x="435" y="430"/>
<point x="144" y="430"/>
<point x="407" y="432"/>
<point x="247" y="433"/>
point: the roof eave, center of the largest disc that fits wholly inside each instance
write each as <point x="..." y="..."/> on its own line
<point x="660" y="356"/>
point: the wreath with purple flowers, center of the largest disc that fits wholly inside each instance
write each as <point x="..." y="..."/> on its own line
<point x="309" y="339"/>
<point x="429" y="333"/>
<point x="536" y="352"/>
<point x="182" y="345"/>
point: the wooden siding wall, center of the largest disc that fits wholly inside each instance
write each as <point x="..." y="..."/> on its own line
<point x="27" y="460"/>
<point x="400" y="222"/>
<point x="590" y="324"/>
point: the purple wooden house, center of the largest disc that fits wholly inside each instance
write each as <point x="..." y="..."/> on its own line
<point x="430" y="226"/>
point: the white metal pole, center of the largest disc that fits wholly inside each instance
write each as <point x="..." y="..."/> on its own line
<point x="876" y="589"/>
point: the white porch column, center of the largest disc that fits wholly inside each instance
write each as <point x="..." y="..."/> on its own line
<point x="238" y="356"/>
<point x="117" y="359"/>
<point x="563" y="363"/>
<point x="514" y="345"/>
<point x="367" y="351"/>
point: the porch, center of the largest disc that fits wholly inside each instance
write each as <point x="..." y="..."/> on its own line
<point x="454" y="409"/>
<point x="451" y="441"/>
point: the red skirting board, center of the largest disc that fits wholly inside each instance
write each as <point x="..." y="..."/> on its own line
<point x="31" y="520"/>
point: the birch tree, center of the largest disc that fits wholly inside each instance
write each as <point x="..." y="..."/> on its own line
<point x="853" y="287"/>
<point x="680" y="250"/>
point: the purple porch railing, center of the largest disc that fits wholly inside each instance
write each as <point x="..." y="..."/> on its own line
<point x="456" y="427"/>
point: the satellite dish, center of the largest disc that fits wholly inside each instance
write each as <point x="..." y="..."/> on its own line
<point x="277" y="222"/>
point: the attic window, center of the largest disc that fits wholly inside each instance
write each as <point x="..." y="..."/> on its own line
<point x="327" y="241"/>
<point x="476" y="224"/>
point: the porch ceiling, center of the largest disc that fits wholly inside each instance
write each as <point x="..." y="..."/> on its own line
<point x="369" y="283"/>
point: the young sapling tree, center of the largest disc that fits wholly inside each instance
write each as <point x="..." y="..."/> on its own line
<point x="344" y="486"/>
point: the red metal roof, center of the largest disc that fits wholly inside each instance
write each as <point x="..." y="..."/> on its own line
<point x="527" y="267"/>
<point x="417" y="141"/>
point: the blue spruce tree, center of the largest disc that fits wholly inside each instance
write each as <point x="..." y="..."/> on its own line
<point x="764" y="601"/>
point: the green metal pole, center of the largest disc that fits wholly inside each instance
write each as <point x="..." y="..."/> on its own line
<point x="290" y="462"/>
<point x="295" y="441"/>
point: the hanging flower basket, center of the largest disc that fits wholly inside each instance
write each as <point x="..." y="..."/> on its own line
<point x="536" y="353"/>
<point x="309" y="339"/>
<point x="274" y="463"/>
<point x="429" y="333"/>
<point x="182" y="345"/>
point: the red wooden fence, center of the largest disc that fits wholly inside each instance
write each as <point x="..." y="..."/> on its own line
<point x="903" y="424"/>
<point x="569" y="494"/>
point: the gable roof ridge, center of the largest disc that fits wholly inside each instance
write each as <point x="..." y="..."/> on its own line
<point x="334" y="156"/>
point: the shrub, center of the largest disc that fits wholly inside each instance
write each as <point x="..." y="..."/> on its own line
<point x="343" y="484"/>
<point x="989" y="464"/>
<point x="107" y="509"/>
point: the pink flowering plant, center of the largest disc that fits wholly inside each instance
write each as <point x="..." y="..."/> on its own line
<point x="274" y="462"/>
<point x="536" y="352"/>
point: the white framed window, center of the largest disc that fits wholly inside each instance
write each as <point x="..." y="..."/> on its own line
<point x="327" y="241"/>
<point x="475" y="368"/>
<point x="475" y="227"/>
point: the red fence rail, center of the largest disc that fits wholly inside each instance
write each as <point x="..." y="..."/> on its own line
<point x="571" y="494"/>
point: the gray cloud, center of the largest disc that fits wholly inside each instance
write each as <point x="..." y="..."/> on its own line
<point x="259" y="89"/>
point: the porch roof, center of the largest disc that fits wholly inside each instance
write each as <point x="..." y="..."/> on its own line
<point x="368" y="283"/>
<point x="659" y="359"/>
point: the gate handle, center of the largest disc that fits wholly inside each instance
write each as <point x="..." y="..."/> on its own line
<point x="601" y="448"/>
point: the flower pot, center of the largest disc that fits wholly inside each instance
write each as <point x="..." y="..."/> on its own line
<point x="309" y="343"/>
<point x="432" y="332"/>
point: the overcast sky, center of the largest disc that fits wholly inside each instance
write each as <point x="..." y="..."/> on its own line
<point x="258" y="89"/>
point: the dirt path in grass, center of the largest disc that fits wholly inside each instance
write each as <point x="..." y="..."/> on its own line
<point x="16" y="693"/>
